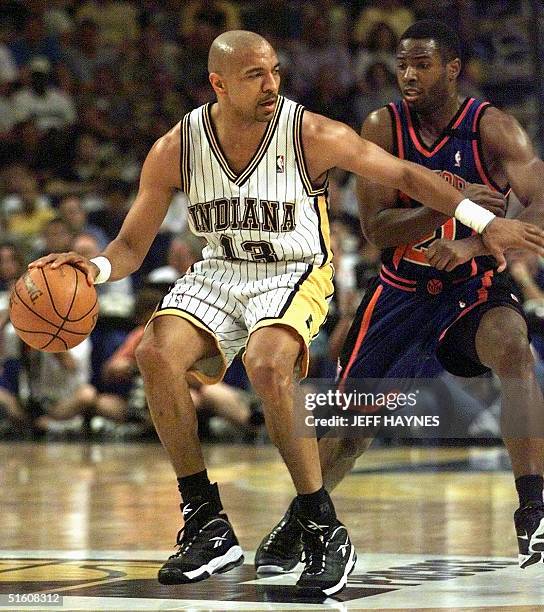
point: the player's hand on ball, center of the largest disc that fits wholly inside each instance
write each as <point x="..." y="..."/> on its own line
<point x="503" y="234"/>
<point x="55" y="260"/>
<point x="448" y="254"/>
<point x="487" y="198"/>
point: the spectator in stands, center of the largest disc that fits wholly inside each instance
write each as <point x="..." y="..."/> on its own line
<point x="183" y="252"/>
<point x="106" y="110"/>
<point x="85" y="53"/>
<point x="375" y="89"/>
<point x="8" y="75"/>
<point x="55" y="237"/>
<point x="328" y="96"/>
<point x="49" y="107"/>
<point x="7" y="120"/>
<point x="220" y="11"/>
<point x="27" y="212"/>
<point x="196" y="36"/>
<point x="116" y="20"/>
<point x="34" y="41"/>
<point x="8" y="67"/>
<point x="88" y="164"/>
<point x="461" y="15"/>
<point x="73" y="213"/>
<point x="314" y="53"/>
<point x="60" y="385"/>
<point x="57" y="18"/>
<point x="12" y="264"/>
<point x="116" y="204"/>
<point x="337" y="15"/>
<point x="381" y="46"/>
<point x="280" y="22"/>
<point x="392" y="12"/>
<point x="12" y="415"/>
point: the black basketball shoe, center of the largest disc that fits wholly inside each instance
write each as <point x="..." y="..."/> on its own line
<point x="206" y="545"/>
<point x="329" y="556"/>
<point x="529" y="522"/>
<point x="280" y="550"/>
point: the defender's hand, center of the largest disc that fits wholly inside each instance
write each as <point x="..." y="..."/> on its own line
<point x="503" y="234"/>
<point x="448" y="254"/>
<point x="493" y="201"/>
<point x="56" y="260"/>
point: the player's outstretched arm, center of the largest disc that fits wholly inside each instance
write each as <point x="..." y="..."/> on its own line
<point x="387" y="224"/>
<point x="159" y="177"/>
<point x="507" y="146"/>
<point x="341" y="146"/>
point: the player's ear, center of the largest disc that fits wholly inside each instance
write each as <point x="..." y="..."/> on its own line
<point x="454" y="68"/>
<point x="217" y="83"/>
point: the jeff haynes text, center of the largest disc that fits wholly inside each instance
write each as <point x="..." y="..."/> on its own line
<point x="374" y="420"/>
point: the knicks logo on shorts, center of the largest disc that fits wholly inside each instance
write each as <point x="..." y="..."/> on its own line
<point x="434" y="286"/>
<point x="280" y="164"/>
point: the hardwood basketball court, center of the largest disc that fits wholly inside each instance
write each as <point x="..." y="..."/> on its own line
<point x="93" y="522"/>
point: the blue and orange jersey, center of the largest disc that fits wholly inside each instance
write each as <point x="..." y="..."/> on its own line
<point x="457" y="156"/>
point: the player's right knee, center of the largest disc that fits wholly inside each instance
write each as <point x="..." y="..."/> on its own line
<point x="150" y="357"/>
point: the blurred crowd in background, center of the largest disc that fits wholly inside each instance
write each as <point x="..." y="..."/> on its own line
<point x="86" y="87"/>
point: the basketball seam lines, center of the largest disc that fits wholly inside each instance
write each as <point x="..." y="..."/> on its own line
<point x="61" y="328"/>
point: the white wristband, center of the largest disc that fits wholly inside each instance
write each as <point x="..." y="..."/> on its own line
<point x="472" y="215"/>
<point x="104" y="266"/>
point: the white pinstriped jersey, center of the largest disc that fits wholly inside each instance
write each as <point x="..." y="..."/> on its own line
<point x="267" y="213"/>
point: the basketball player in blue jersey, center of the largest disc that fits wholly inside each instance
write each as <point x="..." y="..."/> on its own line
<point x="254" y="166"/>
<point x="440" y="301"/>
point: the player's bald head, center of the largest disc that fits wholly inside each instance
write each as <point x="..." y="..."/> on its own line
<point x="230" y="48"/>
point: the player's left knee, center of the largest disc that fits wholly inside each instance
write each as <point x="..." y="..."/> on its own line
<point x="270" y="375"/>
<point x="512" y="356"/>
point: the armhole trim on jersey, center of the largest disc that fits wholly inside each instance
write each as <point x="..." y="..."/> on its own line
<point x="396" y="129"/>
<point x="478" y="151"/>
<point x="321" y="206"/>
<point x="300" y="159"/>
<point x="185" y="155"/>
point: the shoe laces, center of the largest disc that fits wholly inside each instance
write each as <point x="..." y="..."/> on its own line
<point x="185" y="538"/>
<point x="314" y="549"/>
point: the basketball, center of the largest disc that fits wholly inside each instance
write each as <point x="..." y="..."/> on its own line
<point x="53" y="309"/>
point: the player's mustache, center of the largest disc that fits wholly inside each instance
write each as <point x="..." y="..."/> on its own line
<point x="268" y="99"/>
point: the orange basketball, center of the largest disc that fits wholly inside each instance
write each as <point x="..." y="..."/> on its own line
<point x="53" y="309"/>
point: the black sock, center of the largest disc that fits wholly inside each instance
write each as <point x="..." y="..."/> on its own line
<point x="529" y="489"/>
<point x="316" y="506"/>
<point x="195" y="485"/>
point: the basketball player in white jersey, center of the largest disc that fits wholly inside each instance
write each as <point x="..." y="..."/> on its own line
<point x="254" y="166"/>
